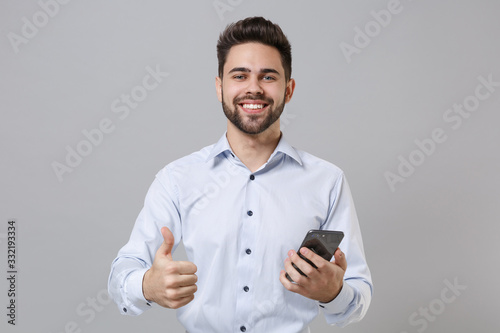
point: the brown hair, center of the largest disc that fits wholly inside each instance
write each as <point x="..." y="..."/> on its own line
<point x="259" y="30"/>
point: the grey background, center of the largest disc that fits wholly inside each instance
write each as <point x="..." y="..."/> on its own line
<point x="440" y="224"/>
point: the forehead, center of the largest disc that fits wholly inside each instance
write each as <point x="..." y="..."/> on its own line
<point x="254" y="56"/>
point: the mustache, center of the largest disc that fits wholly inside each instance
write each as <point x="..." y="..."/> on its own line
<point x="268" y="100"/>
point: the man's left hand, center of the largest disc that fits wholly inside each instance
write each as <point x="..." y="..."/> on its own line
<point x="322" y="284"/>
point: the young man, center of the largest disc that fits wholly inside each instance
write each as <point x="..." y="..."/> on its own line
<point x="241" y="207"/>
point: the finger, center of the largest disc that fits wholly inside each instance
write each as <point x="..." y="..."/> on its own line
<point x="177" y="281"/>
<point x="292" y="271"/>
<point x="176" y="297"/>
<point x="187" y="280"/>
<point x="165" y="249"/>
<point x="293" y="287"/>
<point x="307" y="261"/>
<point x="175" y="304"/>
<point x="186" y="267"/>
<point x="170" y="301"/>
<point x="183" y="292"/>
<point x="285" y="282"/>
<point x="187" y="291"/>
<point x="340" y="259"/>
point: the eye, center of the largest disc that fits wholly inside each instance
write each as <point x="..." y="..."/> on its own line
<point x="239" y="77"/>
<point x="268" y="78"/>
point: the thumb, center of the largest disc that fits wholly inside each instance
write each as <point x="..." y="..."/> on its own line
<point x="168" y="243"/>
<point x="340" y="259"/>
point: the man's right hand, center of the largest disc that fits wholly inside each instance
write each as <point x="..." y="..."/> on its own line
<point x="169" y="283"/>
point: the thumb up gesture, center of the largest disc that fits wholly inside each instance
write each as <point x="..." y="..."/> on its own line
<point x="169" y="283"/>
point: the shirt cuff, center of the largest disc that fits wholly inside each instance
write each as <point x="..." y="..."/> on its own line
<point x="133" y="289"/>
<point x="340" y="303"/>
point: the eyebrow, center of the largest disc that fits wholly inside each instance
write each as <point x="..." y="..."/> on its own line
<point x="247" y="70"/>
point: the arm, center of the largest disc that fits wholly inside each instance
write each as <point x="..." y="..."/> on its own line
<point x="147" y="248"/>
<point x="346" y="281"/>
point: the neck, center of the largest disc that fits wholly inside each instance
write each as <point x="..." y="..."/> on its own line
<point x="253" y="149"/>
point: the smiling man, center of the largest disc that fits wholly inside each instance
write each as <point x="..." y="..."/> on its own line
<point x="260" y="196"/>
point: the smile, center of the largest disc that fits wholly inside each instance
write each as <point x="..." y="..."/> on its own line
<point x="253" y="106"/>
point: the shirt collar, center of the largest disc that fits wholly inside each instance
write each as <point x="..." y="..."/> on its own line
<point x="283" y="147"/>
<point x="221" y="146"/>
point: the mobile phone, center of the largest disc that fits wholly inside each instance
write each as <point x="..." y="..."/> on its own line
<point x="322" y="242"/>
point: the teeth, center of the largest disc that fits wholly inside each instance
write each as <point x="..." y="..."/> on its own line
<point x="253" y="106"/>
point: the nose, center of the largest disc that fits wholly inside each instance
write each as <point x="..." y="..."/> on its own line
<point x="254" y="86"/>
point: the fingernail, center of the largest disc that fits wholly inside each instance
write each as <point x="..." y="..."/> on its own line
<point x="304" y="250"/>
<point x="290" y="253"/>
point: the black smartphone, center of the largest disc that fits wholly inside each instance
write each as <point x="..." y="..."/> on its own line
<point x="322" y="242"/>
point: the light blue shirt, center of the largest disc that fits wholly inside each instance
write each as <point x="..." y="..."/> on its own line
<point x="237" y="227"/>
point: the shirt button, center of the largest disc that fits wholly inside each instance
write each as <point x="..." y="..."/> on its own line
<point x="250" y="213"/>
<point x="125" y="310"/>
<point x="252" y="177"/>
<point x="246" y="289"/>
<point x="248" y="251"/>
<point x="243" y="329"/>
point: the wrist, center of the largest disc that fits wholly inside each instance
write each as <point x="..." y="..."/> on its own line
<point x="145" y="284"/>
<point x="330" y="299"/>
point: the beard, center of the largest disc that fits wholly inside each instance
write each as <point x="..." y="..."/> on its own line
<point x="252" y="124"/>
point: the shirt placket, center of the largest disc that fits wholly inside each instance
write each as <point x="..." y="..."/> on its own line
<point x="247" y="265"/>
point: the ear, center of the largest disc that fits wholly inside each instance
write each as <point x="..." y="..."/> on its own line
<point x="290" y="87"/>
<point x="218" y="88"/>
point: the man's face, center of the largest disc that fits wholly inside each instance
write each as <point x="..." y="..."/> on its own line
<point x="253" y="90"/>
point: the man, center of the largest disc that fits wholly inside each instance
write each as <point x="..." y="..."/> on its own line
<point x="241" y="207"/>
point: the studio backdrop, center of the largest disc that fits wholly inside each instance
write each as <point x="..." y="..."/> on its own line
<point x="98" y="96"/>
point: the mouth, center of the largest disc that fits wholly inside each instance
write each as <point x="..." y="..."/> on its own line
<point x="254" y="107"/>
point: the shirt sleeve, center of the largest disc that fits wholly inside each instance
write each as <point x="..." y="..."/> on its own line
<point x="136" y="257"/>
<point x="354" y="299"/>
